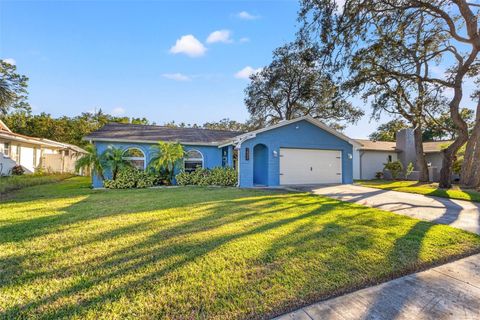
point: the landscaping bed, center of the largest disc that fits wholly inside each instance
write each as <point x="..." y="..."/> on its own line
<point x="67" y="251"/>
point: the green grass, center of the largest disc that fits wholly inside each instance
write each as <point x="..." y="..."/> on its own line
<point x="185" y="253"/>
<point x="11" y="183"/>
<point x="430" y="189"/>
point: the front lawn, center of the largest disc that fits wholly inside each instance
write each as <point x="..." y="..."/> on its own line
<point x="184" y="253"/>
<point x="10" y="183"/>
<point x="429" y="189"/>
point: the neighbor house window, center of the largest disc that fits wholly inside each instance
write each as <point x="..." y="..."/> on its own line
<point x="389" y="158"/>
<point x="193" y="160"/>
<point x="6" y="149"/>
<point x="136" y="157"/>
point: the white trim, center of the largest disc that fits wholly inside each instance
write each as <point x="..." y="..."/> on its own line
<point x="144" y="158"/>
<point x="2" y="124"/>
<point x="194" y="159"/>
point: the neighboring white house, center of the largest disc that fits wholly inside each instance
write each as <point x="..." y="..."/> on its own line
<point x="35" y="153"/>
<point x="371" y="157"/>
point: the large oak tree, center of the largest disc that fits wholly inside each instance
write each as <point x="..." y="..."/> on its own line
<point x="343" y="31"/>
<point x="295" y="84"/>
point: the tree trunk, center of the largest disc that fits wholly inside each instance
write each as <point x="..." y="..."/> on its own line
<point x="421" y="161"/>
<point x="470" y="174"/>
<point x="449" y="155"/>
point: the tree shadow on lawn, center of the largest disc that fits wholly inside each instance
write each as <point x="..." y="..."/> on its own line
<point x="101" y="205"/>
<point x="156" y="259"/>
<point x="150" y="253"/>
<point x="406" y="256"/>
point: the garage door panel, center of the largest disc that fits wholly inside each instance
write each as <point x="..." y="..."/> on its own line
<point x="310" y="166"/>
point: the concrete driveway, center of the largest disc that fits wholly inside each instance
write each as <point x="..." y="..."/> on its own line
<point x="450" y="291"/>
<point x="457" y="213"/>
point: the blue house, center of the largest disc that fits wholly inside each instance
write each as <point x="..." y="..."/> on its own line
<point x="292" y="152"/>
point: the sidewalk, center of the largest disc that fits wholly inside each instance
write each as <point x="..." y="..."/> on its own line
<point x="450" y="291"/>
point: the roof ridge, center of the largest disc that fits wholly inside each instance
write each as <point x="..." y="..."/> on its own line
<point x="168" y="127"/>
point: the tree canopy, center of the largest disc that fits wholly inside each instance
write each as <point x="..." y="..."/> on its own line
<point x="451" y="36"/>
<point x="294" y="84"/>
<point x="13" y="89"/>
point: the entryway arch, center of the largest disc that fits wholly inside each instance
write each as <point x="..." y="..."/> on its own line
<point x="260" y="165"/>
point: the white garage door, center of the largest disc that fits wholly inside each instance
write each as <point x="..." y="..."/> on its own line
<point x="310" y="166"/>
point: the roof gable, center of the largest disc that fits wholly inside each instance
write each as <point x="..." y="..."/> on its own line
<point x="3" y="127"/>
<point x="309" y="119"/>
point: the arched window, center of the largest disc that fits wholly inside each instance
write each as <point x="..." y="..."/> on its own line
<point x="193" y="160"/>
<point x="136" y="157"/>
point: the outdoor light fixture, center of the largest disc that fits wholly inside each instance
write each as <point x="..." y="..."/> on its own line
<point x="350" y="157"/>
<point x="275" y="153"/>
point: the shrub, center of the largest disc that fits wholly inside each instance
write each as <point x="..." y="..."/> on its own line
<point x="208" y="177"/>
<point x="184" y="178"/>
<point x="409" y="170"/>
<point x="18" y="170"/>
<point x="129" y="177"/>
<point x="395" y="168"/>
<point x="379" y="175"/>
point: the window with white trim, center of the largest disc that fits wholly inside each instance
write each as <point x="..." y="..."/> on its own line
<point x="6" y="149"/>
<point x="136" y="157"/>
<point x="193" y="160"/>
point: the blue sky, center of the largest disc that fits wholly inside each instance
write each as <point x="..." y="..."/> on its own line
<point x="164" y="60"/>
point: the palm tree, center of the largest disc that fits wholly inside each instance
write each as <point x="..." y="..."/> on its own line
<point x="90" y="161"/>
<point x="113" y="160"/>
<point x="165" y="156"/>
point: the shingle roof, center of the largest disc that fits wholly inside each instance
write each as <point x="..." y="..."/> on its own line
<point x="435" y="146"/>
<point x="150" y="133"/>
<point x="428" y="147"/>
<point x="377" y="145"/>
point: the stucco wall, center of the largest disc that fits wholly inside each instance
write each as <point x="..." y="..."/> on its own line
<point x="372" y="162"/>
<point x="300" y="134"/>
<point x="212" y="155"/>
<point x="356" y="164"/>
<point x="435" y="159"/>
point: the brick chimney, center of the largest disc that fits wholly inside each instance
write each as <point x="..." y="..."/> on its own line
<point x="406" y="146"/>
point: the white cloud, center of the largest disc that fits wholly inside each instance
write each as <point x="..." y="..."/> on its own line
<point x="220" y="36"/>
<point x="10" y="61"/>
<point x="176" y="76"/>
<point x="244" y="39"/>
<point x="118" y="111"/>
<point x="246" y="72"/>
<point x="189" y="45"/>
<point x="246" y="16"/>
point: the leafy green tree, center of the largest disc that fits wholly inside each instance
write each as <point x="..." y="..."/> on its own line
<point x="63" y="129"/>
<point x="295" y="84"/>
<point x="442" y="127"/>
<point x="226" y="124"/>
<point x="165" y="156"/>
<point x="454" y="26"/>
<point x="13" y="89"/>
<point x="91" y="161"/>
<point x="112" y="159"/>
<point x="388" y="131"/>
